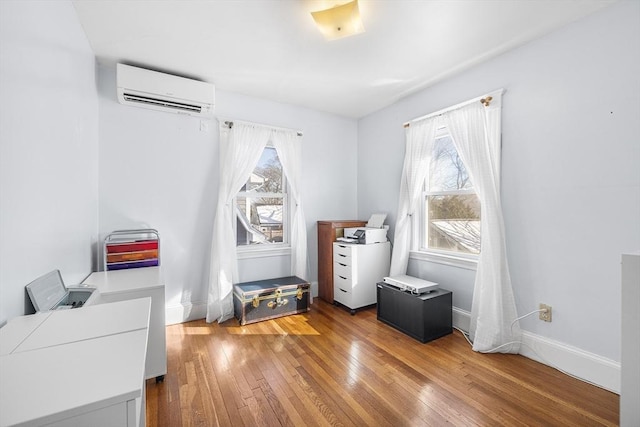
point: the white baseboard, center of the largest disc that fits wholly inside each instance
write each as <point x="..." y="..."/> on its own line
<point x="185" y="312"/>
<point x="461" y="319"/>
<point x="589" y="367"/>
<point x="582" y="364"/>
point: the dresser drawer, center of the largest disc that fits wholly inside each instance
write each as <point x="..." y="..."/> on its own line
<point x="341" y="249"/>
<point x="342" y="282"/>
<point x="342" y="269"/>
<point x="342" y="291"/>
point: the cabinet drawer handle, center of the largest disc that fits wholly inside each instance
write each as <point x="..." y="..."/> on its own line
<point x="343" y="256"/>
<point x="342" y="277"/>
<point x="344" y="265"/>
<point x="343" y="290"/>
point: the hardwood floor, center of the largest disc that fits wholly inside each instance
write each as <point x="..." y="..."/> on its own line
<point x="328" y="368"/>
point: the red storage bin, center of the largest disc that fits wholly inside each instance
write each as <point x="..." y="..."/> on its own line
<point x="131" y="249"/>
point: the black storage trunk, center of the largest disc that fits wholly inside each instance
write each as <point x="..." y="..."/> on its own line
<point x="270" y="298"/>
<point x="424" y="317"/>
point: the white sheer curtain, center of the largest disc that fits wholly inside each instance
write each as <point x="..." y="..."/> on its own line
<point x="420" y="138"/>
<point x="289" y="149"/>
<point x="240" y="149"/>
<point x="475" y="130"/>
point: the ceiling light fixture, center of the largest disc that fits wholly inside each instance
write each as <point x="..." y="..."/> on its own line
<point x="339" y="21"/>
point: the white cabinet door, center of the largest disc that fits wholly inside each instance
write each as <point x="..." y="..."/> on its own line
<point x="630" y="366"/>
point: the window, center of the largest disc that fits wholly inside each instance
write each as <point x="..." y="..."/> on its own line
<point x="451" y="206"/>
<point x="261" y="204"/>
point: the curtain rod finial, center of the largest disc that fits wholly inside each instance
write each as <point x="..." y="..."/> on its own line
<point x="486" y="101"/>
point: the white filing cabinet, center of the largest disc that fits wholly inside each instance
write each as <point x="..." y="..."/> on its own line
<point x="81" y="367"/>
<point x="121" y="285"/>
<point x="356" y="270"/>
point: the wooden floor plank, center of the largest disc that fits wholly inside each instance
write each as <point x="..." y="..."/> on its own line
<point x="210" y="389"/>
<point x="283" y="374"/>
<point x="330" y="409"/>
<point x="329" y="368"/>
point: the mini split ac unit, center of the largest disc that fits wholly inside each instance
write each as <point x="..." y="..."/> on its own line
<point x="164" y="92"/>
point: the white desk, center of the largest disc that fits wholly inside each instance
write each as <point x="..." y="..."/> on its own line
<point x="122" y="285"/>
<point x="12" y="336"/>
<point x="60" y="374"/>
<point x="67" y="326"/>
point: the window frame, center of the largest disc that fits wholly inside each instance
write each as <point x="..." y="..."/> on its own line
<point x="421" y="236"/>
<point x="271" y="249"/>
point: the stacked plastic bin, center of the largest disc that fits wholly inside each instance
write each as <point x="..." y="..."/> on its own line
<point x="132" y="249"/>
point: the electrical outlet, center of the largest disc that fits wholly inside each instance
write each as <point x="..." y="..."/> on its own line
<point x="545" y="315"/>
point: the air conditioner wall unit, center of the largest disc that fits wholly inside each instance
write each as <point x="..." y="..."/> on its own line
<point x="143" y="88"/>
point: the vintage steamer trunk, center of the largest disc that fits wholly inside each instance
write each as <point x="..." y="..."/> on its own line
<point x="271" y="298"/>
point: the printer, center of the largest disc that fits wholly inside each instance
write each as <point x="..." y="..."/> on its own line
<point x="364" y="235"/>
<point x="374" y="232"/>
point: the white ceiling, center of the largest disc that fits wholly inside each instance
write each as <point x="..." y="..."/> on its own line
<point x="271" y="48"/>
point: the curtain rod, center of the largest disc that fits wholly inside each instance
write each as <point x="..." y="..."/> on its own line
<point x="484" y="99"/>
<point x="229" y="124"/>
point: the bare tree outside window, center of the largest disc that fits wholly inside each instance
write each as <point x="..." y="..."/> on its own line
<point x="261" y="204"/>
<point x="452" y="207"/>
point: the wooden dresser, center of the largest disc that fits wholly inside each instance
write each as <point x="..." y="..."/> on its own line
<point x="328" y="232"/>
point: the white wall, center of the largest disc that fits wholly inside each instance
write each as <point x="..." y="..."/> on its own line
<point x="161" y="170"/>
<point x="48" y="148"/>
<point x="571" y="171"/>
